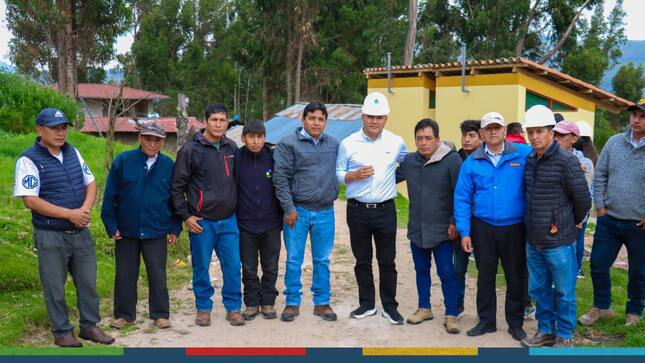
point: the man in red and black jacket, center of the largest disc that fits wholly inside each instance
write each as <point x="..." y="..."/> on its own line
<point x="204" y="196"/>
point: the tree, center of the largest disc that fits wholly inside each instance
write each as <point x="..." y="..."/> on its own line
<point x="600" y="48"/>
<point x="408" y="55"/>
<point x="629" y="82"/>
<point x="58" y="41"/>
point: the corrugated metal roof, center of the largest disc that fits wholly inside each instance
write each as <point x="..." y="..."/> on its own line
<point x="110" y="91"/>
<point x="473" y="67"/>
<point x="336" y="111"/>
<point x="126" y="124"/>
<point x="280" y="126"/>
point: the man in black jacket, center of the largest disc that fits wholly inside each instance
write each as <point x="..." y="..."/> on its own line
<point x="557" y="201"/>
<point x="204" y="196"/>
<point x="259" y="217"/>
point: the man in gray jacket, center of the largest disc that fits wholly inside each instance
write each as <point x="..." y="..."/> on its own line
<point x="620" y="203"/>
<point x="306" y="186"/>
<point x="431" y="174"/>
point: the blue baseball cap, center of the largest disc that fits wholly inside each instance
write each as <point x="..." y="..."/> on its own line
<point x="51" y="117"/>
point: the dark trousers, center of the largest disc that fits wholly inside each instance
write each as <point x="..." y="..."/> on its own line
<point x="60" y="253"/>
<point x="611" y="234"/>
<point x="128" y="254"/>
<point x="505" y="243"/>
<point x="379" y="223"/>
<point x="267" y="244"/>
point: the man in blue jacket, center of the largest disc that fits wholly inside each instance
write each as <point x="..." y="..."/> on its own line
<point x="489" y="211"/>
<point x="306" y="186"/>
<point x="137" y="214"/>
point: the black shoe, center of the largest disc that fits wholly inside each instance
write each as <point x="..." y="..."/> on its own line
<point x="393" y="316"/>
<point x="290" y="312"/>
<point x="481" y="329"/>
<point x="561" y="342"/>
<point x="517" y="333"/>
<point x="362" y="312"/>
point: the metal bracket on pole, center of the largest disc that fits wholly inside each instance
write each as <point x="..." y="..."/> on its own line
<point x="389" y="73"/>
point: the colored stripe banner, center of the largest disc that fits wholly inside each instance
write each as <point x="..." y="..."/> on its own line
<point x="470" y="351"/>
<point x="580" y="351"/>
<point x="246" y="351"/>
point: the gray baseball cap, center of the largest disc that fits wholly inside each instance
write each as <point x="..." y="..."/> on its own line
<point x="152" y="128"/>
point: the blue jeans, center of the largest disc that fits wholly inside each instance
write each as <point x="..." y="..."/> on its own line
<point x="580" y="245"/>
<point x="223" y="237"/>
<point x="319" y="225"/>
<point x="460" y="260"/>
<point x="611" y="234"/>
<point x="555" y="310"/>
<point x="445" y="269"/>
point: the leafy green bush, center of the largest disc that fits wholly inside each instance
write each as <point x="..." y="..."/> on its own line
<point x="21" y="99"/>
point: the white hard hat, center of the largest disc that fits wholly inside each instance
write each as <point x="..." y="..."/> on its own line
<point x="585" y="128"/>
<point x="375" y="104"/>
<point x="538" y="116"/>
<point x="492" y="118"/>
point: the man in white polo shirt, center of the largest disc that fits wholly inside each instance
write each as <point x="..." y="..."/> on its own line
<point x="367" y="162"/>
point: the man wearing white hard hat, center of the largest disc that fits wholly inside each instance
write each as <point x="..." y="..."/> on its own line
<point x="489" y="212"/>
<point x="620" y="203"/>
<point x="367" y="162"/>
<point x="557" y="201"/>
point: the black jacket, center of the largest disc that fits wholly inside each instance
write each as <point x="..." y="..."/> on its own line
<point x="258" y="210"/>
<point x="557" y="198"/>
<point x="203" y="183"/>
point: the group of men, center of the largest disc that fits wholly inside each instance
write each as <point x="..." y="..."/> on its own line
<point x="501" y="200"/>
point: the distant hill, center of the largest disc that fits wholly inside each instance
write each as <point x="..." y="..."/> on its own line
<point x="633" y="51"/>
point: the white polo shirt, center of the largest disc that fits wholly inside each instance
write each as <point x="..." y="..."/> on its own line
<point x="384" y="154"/>
<point x="27" y="176"/>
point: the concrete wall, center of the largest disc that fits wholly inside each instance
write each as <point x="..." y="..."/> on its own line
<point x="408" y="104"/>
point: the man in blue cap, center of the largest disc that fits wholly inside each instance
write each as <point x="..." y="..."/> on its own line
<point x="57" y="185"/>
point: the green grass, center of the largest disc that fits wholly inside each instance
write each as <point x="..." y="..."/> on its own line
<point x="22" y="310"/>
<point x="402" y="207"/>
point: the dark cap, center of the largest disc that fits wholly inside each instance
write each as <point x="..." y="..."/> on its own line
<point x="51" y="117"/>
<point x="151" y="128"/>
<point x="638" y="106"/>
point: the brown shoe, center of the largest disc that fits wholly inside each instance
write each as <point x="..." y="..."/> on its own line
<point x="632" y="319"/>
<point x="96" y="335"/>
<point x="120" y="323"/>
<point x="451" y="324"/>
<point x="290" y="312"/>
<point x="162" y="323"/>
<point x="325" y="312"/>
<point x="67" y="341"/>
<point x="203" y="318"/>
<point x="594" y="315"/>
<point x="268" y="312"/>
<point x="251" y="312"/>
<point x="235" y="318"/>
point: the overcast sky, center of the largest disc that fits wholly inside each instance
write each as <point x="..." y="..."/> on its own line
<point x="635" y="27"/>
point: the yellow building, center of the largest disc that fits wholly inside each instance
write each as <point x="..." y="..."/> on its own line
<point x="508" y="86"/>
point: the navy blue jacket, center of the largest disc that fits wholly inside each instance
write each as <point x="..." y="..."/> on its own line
<point x="60" y="184"/>
<point x="137" y="200"/>
<point x="258" y="210"/>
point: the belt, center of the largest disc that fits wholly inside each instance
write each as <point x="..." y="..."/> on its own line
<point x="73" y="231"/>
<point x="356" y="203"/>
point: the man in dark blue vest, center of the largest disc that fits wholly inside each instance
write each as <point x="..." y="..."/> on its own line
<point x="58" y="186"/>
